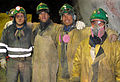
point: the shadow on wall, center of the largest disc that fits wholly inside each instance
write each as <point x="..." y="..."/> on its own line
<point x="112" y="7"/>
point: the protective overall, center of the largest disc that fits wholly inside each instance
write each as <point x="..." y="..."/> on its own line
<point x="96" y="59"/>
<point x="18" y="49"/>
<point x="104" y="66"/>
<point x="68" y="39"/>
<point x="45" y="59"/>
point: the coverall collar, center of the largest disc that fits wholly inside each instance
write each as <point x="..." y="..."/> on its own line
<point x="43" y="25"/>
<point x="96" y="40"/>
<point x="68" y="28"/>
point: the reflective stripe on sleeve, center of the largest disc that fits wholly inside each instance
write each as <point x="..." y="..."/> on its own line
<point x="19" y="49"/>
<point x="4" y="45"/>
<point x="17" y="56"/>
<point x="16" y="49"/>
<point x="3" y="50"/>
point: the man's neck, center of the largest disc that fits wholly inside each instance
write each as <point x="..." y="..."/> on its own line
<point x="19" y="26"/>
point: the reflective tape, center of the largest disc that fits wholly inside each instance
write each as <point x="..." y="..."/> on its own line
<point x="14" y="49"/>
<point x="17" y="56"/>
<point x="19" y="49"/>
<point x="4" y="45"/>
<point x="3" y="50"/>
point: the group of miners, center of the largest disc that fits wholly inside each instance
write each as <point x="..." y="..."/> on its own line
<point x="49" y="52"/>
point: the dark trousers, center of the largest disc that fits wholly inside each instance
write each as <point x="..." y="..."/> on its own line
<point x="16" y="67"/>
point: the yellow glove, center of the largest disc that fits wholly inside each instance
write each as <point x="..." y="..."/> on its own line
<point x="3" y="63"/>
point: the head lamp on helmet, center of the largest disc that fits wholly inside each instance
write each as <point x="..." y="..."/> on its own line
<point x="42" y="7"/>
<point x="99" y="14"/>
<point x="19" y="9"/>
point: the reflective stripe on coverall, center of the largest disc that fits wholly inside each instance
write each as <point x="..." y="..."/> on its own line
<point x="19" y="52"/>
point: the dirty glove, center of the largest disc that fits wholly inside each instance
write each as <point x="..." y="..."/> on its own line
<point x="80" y="25"/>
<point x="119" y="37"/>
<point x="3" y="63"/>
<point x="113" y="38"/>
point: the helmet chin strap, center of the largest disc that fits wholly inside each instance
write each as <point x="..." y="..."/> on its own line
<point x="20" y="24"/>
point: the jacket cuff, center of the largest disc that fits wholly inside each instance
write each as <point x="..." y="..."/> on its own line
<point x="75" y="79"/>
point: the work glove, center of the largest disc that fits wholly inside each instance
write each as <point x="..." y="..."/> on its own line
<point x="113" y="38"/>
<point x="119" y="37"/>
<point x="80" y="25"/>
<point x="3" y="63"/>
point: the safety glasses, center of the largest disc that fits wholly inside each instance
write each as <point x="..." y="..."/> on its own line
<point x="100" y="23"/>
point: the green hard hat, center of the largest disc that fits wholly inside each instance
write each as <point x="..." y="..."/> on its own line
<point x="99" y="14"/>
<point x="19" y="9"/>
<point x="42" y="6"/>
<point x="11" y="12"/>
<point x="66" y="8"/>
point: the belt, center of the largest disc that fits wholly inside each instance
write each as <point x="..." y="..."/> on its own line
<point x="22" y="58"/>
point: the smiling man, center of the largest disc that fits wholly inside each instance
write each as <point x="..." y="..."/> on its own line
<point x="69" y="37"/>
<point x="97" y="59"/>
<point x="67" y="19"/>
<point x="16" y="45"/>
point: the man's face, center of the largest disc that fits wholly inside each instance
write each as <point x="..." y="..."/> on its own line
<point x="19" y="18"/>
<point x="67" y="19"/>
<point x="43" y="16"/>
<point x="98" y="22"/>
<point x="98" y="27"/>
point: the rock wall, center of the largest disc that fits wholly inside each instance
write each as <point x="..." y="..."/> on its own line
<point x="112" y="7"/>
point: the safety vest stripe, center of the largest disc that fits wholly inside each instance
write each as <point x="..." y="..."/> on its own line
<point x="19" y="49"/>
<point x="17" y="56"/>
<point x="4" y="45"/>
<point x="3" y="50"/>
<point x="16" y="49"/>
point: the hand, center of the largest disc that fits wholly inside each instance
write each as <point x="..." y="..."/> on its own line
<point x="113" y="38"/>
<point x="80" y="25"/>
<point x="29" y="24"/>
<point x="3" y="63"/>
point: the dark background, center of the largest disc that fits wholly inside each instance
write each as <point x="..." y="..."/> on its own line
<point x="30" y="7"/>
